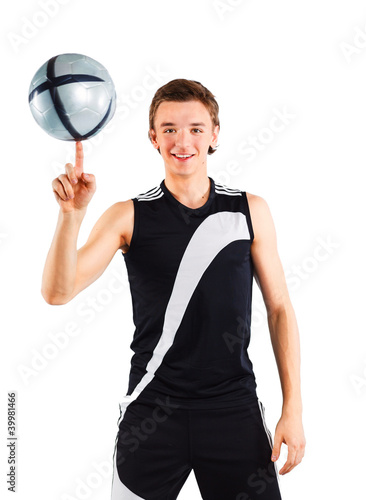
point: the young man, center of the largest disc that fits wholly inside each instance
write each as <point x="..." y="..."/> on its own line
<point x="191" y="247"/>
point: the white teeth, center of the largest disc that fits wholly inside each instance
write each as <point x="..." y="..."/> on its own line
<point x="183" y="156"/>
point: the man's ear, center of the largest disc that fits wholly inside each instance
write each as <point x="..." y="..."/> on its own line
<point x="152" y="136"/>
<point x="215" y="136"/>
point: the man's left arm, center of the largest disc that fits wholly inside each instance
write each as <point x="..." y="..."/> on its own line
<point x="270" y="277"/>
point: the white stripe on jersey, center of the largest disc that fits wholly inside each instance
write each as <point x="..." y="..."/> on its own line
<point x="202" y="248"/>
<point x="224" y="186"/>
<point x="152" y="194"/>
<point x="220" y="189"/>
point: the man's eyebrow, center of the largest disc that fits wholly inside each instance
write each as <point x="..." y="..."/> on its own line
<point x="170" y="124"/>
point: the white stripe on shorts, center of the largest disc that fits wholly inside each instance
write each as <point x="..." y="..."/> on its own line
<point x="269" y="435"/>
<point x="120" y="490"/>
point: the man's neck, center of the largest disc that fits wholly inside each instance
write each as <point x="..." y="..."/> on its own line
<point x="193" y="191"/>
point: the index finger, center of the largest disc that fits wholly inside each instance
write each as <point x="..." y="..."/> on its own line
<point x="79" y="158"/>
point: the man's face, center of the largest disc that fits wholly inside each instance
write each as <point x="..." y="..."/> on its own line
<point x="183" y="128"/>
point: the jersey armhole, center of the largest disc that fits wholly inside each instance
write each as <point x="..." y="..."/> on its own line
<point x="136" y="223"/>
<point x="248" y="216"/>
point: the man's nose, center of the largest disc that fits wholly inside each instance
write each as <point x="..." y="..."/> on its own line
<point x="182" y="138"/>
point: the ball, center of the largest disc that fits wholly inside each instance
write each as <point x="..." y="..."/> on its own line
<point x="72" y="97"/>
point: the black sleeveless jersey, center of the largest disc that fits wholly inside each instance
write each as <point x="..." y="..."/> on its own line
<point x="190" y="274"/>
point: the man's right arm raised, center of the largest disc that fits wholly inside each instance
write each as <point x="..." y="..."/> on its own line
<point x="68" y="270"/>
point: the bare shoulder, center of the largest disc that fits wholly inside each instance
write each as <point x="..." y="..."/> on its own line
<point x="260" y="214"/>
<point x="256" y="203"/>
<point x="120" y="217"/>
<point x="122" y="208"/>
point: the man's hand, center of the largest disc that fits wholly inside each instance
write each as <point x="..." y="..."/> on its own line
<point x="74" y="189"/>
<point x="289" y="430"/>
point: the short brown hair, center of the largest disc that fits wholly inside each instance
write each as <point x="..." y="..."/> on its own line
<point x="182" y="90"/>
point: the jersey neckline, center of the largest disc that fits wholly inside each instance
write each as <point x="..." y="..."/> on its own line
<point x="193" y="211"/>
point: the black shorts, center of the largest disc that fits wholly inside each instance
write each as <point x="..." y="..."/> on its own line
<point x="229" y="450"/>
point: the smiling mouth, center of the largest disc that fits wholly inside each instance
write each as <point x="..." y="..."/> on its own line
<point x="182" y="157"/>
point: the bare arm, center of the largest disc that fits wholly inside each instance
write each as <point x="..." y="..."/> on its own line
<point x="269" y="275"/>
<point x="68" y="270"/>
<point x="109" y="234"/>
<point x="60" y="267"/>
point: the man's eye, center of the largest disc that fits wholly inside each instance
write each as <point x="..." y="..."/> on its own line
<point x="167" y="130"/>
<point x="197" y="129"/>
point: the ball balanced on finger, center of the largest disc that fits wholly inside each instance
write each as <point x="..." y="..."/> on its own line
<point x="72" y="97"/>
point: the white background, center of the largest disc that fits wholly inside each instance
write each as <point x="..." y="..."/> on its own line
<point x="259" y="58"/>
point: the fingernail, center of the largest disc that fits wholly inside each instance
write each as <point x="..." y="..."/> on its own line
<point x="74" y="181"/>
<point x="274" y="457"/>
<point x="86" y="176"/>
